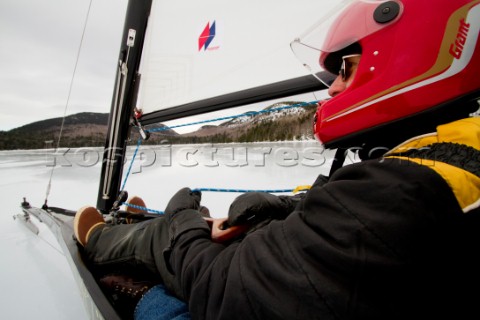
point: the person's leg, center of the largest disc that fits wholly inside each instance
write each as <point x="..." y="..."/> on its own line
<point x="127" y="245"/>
<point x="132" y="248"/>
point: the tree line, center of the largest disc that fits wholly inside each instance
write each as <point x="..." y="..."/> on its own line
<point x="41" y="135"/>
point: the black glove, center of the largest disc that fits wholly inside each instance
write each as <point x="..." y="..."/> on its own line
<point x="190" y="219"/>
<point x="255" y="207"/>
<point x="184" y="199"/>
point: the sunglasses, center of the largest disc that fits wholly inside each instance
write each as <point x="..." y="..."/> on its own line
<point x="346" y="69"/>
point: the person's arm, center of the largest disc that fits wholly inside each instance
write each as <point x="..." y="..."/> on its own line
<point x="307" y="266"/>
<point x="183" y="217"/>
<point x="196" y="260"/>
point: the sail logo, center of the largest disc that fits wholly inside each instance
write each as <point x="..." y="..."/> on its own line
<point x="206" y="37"/>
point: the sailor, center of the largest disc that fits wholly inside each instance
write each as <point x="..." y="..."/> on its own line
<point x="394" y="236"/>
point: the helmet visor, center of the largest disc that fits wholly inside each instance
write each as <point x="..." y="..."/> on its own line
<point x="344" y="25"/>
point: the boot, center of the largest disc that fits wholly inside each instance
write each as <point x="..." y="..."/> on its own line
<point x="139" y="205"/>
<point x="86" y="220"/>
<point x="125" y="291"/>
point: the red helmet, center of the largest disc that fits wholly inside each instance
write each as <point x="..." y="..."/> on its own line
<point x="419" y="59"/>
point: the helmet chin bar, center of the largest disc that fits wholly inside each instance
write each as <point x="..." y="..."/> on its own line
<point x="374" y="142"/>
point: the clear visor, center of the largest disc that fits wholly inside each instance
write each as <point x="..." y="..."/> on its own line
<point x="347" y="23"/>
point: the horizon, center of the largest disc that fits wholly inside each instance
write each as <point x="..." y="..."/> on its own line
<point x="307" y="97"/>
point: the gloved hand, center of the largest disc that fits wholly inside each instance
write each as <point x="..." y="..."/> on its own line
<point x="255" y="207"/>
<point x="183" y="216"/>
<point x="184" y="199"/>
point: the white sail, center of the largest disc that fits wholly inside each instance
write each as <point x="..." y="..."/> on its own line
<point x="196" y="50"/>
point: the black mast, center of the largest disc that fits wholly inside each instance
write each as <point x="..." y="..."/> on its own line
<point x="124" y="98"/>
<point x="122" y="102"/>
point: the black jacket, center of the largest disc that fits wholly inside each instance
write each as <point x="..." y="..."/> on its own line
<point x="383" y="239"/>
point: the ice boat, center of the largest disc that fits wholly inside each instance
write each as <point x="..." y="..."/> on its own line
<point x="180" y="59"/>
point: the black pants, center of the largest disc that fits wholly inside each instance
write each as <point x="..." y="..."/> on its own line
<point x="133" y="248"/>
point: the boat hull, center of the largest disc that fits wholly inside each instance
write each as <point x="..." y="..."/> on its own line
<point x="60" y="222"/>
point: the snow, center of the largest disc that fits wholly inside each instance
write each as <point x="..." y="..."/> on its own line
<point x="35" y="276"/>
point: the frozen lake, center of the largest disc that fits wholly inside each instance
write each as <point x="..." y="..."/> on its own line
<point x="35" y="276"/>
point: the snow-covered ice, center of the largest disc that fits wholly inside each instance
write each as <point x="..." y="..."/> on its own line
<point x="35" y="275"/>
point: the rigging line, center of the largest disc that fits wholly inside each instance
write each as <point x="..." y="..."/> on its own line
<point x="68" y="96"/>
<point x="142" y="208"/>
<point x="251" y="113"/>
<point x="242" y="190"/>
<point x="139" y="142"/>
<point x="296" y="190"/>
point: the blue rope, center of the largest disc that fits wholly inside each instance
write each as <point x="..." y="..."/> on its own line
<point x="139" y="142"/>
<point x="209" y="190"/>
<point x="251" y="113"/>
<point x="241" y="190"/>
<point x="142" y="208"/>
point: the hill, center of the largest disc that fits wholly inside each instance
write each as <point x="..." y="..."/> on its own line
<point x="278" y="125"/>
<point x="86" y="129"/>
<point x="81" y="129"/>
<point x="89" y="129"/>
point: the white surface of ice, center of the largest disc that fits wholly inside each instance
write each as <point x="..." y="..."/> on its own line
<point x="35" y="277"/>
